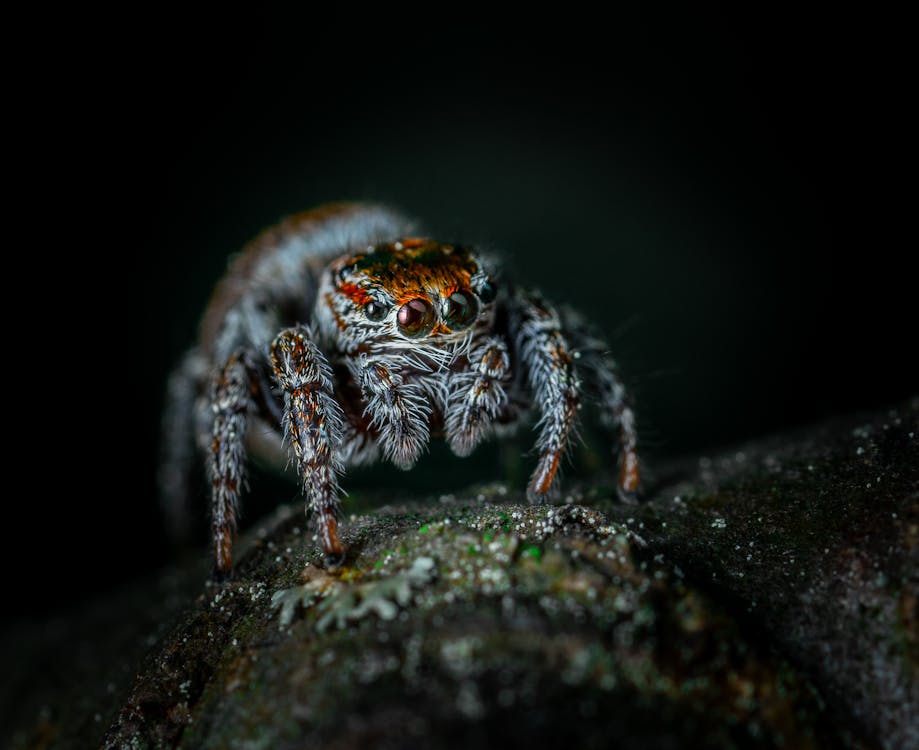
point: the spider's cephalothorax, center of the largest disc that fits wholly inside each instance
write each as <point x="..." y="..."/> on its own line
<point x="340" y="336"/>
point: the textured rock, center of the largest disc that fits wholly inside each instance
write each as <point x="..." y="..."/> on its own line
<point x="523" y="623"/>
<point x="815" y="538"/>
<point x="767" y="597"/>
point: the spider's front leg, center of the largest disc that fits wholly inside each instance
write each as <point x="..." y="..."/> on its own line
<point x="313" y="424"/>
<point x="397" y="410"/>
<point x="549" y="365"/>
<point x="476" y="396"/>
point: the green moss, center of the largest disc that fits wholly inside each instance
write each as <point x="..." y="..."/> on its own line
<point x="531" y="550"/>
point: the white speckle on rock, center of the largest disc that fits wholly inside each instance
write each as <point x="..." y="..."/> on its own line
<point x="468" y="702"/>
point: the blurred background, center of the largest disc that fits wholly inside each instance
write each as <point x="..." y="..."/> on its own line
<point x="718" y="193"/>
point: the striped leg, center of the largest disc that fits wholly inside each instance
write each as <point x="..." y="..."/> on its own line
<point x="177" y="457"/>
<point x="231" y="396"/>
<point x="549" y="365"/>
<point x="313" y="425"/>
<point x="602" y="381"/>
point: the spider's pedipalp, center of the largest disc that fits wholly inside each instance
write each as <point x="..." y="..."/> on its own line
<point x="477" y="396"/>
<point x="313" y="426"/>
<point x="397" y="410"/>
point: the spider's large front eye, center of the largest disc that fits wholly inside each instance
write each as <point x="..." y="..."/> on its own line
<point x="374" y="311"/>
<point x="460" y="309"/>
<point x="416" y="317"/>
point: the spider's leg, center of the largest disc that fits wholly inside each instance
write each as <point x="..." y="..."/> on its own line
<point x="231" y="395"/>
<point x="549" y="365"/>
<point x="601" y="376"/>
<point x="477" y="396"/>
<point x="177" y="460"/>
<point x="312" y="424"/>
<point x="397" y="410"/>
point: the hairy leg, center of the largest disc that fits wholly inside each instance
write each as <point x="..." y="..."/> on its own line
<point x="398" y="411"/>
<point x="226" y="460"/>
<point x="476" y="396"/>
<point x="312" y="424"/>
<point x="177" y="459"/>
<point x="549" y="365"/>
<point x="601" y="376"/>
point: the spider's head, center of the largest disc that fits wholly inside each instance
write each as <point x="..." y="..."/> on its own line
<point x="408" y="293"/>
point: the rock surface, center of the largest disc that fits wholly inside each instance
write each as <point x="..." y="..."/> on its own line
<point x="763" y="598"/>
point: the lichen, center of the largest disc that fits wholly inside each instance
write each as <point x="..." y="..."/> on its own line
<point x="342" y="602"/>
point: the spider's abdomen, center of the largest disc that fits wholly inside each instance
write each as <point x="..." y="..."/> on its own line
<point x="273" y="282"/>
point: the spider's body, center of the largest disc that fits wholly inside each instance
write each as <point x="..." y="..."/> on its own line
<point x="345" y="338"/>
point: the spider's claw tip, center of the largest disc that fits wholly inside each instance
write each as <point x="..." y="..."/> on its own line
<point x="220" y="576"/>
<point x="537" y="498"/>
<point x="334" y="560"/>
<point x="627" y="497"/>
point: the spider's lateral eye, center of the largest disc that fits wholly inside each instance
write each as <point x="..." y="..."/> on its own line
<point x="374" y="311"/>
<point x="460" y="309"/>
<point x="488" y="292"/>
<point x="349" y="268"/>
<point x="416" y="317"/>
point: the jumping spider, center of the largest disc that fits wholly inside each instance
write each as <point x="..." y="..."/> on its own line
<point x="339" y="337"/>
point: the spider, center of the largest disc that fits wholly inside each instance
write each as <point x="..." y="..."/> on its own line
<point x="341" y="336"/>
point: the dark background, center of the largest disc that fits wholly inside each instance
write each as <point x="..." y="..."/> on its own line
<point x="721" y="194"/>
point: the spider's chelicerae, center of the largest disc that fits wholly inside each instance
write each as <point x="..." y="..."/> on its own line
<point x="341" y="336"/>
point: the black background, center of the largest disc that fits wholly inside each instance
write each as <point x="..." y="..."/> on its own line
<point x="723" y="195"/>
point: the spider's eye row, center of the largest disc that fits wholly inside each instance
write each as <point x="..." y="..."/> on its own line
<point x="375" y="311"/>
<point x="460" y="309"/>
<point x="416" y="317"/>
